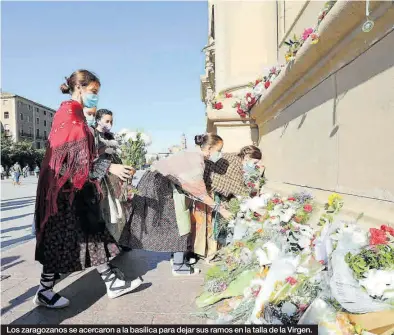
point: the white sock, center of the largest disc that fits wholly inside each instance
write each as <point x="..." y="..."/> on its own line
<point x="47" y="283"/>
<point x="112" y="276"/>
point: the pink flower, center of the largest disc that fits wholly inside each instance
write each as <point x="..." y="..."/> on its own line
<point x="307" y="33"/>
<point x="303" y="307"/>
<point x="292" y="199"/>
<point x="258" y="81"/>
<point x="218" y="105"/>
<point x="267" y="84"/>
<point x="273" y="70"/>
<point x="308" y="208"/>
<point x="255" y="293"/>
<point x="229" y="95"/>
<point x="276" y="201"/>
<point x="291" y="280"/>
<point x="321" y="262"/>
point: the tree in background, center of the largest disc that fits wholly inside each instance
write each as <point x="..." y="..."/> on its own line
<point x="133" y="150"/>
<point x="22" y="152"/>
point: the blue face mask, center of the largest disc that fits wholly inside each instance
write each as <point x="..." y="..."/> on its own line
<point x="215" y="156"/>
<point x="90" y="100"/>
<point x="90" y="120"/>
<point x="249" y="167"/>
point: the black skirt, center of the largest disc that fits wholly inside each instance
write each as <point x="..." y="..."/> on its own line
<point x="152" y="224"/>
<point x="65" y="248"/>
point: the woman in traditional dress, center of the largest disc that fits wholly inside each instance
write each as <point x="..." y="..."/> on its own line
<point x="116" y="203"/>
<point x="154" y="224"/>
<point x="70" y="236"/>
<point x="228" y="177"/>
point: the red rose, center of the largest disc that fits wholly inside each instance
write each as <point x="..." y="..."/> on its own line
<point x="308" y="208"/>
<point x="241" y="112"/>
<point x="387" y="229"/>
<point x="276" y="201"/>
<point x="267" y="84"/>
<point x="218" y="105"/>
<point x="292" y="199"/>
<point x="291" y="280"/>
<point x="258" y="81"/>
<point x="377" y="236"/>
<point x="229" y="95"/>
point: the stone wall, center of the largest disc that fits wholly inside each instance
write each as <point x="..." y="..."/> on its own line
<point x="340" y="135"/>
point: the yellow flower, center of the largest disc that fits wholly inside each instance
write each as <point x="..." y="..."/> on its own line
<point x="288" y="57"/>
<point x="333" y="197"/>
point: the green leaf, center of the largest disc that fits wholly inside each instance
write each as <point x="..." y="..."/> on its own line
<point x="235" y="288"/>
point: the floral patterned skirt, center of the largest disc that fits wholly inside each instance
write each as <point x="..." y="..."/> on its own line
<point x="65" y="248"/>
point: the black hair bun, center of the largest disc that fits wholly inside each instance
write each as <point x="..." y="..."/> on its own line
<point x="199" y="139"/>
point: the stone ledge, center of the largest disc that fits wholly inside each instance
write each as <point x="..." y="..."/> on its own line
<point x="375" y="212"/>
<point x="340" y="39"/>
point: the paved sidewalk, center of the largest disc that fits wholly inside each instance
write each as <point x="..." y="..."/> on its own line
<point x="162" y="298"/>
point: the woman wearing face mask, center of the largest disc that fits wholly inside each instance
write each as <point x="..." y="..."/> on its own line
<point x="115" y="206"/>
<point x="153" y="224"/>
<point x="70" y="166"/>
<point x="225" y="178"/>
<point x="90" y="116"/>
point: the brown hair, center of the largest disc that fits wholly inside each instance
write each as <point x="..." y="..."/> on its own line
<point x="79" y="77"/>
<point x="207" y="140"/>
<point x="250" y="151"/>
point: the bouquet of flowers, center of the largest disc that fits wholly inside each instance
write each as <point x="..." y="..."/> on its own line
<point x="373" y="266"/>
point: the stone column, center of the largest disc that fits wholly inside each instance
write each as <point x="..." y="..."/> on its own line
<point x="245" y="45"/>
<point x="245" y="41"/>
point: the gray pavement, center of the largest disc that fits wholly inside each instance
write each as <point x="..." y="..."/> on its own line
<point x="162" y="299"/>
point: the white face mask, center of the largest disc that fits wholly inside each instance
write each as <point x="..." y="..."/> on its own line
<point x="105" y="126"/>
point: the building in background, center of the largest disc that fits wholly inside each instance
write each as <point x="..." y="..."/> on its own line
<point x="327" y="120"/>
<point x="23" y="119"/>
<point x="183" y="142"/>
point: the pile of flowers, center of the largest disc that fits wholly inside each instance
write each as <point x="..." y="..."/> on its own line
<point x="244" y="103"/>
<point x="279" y="269"/>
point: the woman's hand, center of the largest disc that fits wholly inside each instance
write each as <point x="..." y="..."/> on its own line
<point x="226" y="214"/>
<point x="123" y="172"/>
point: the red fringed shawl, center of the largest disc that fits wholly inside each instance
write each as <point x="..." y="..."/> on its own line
<point x="69" y="156"/>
